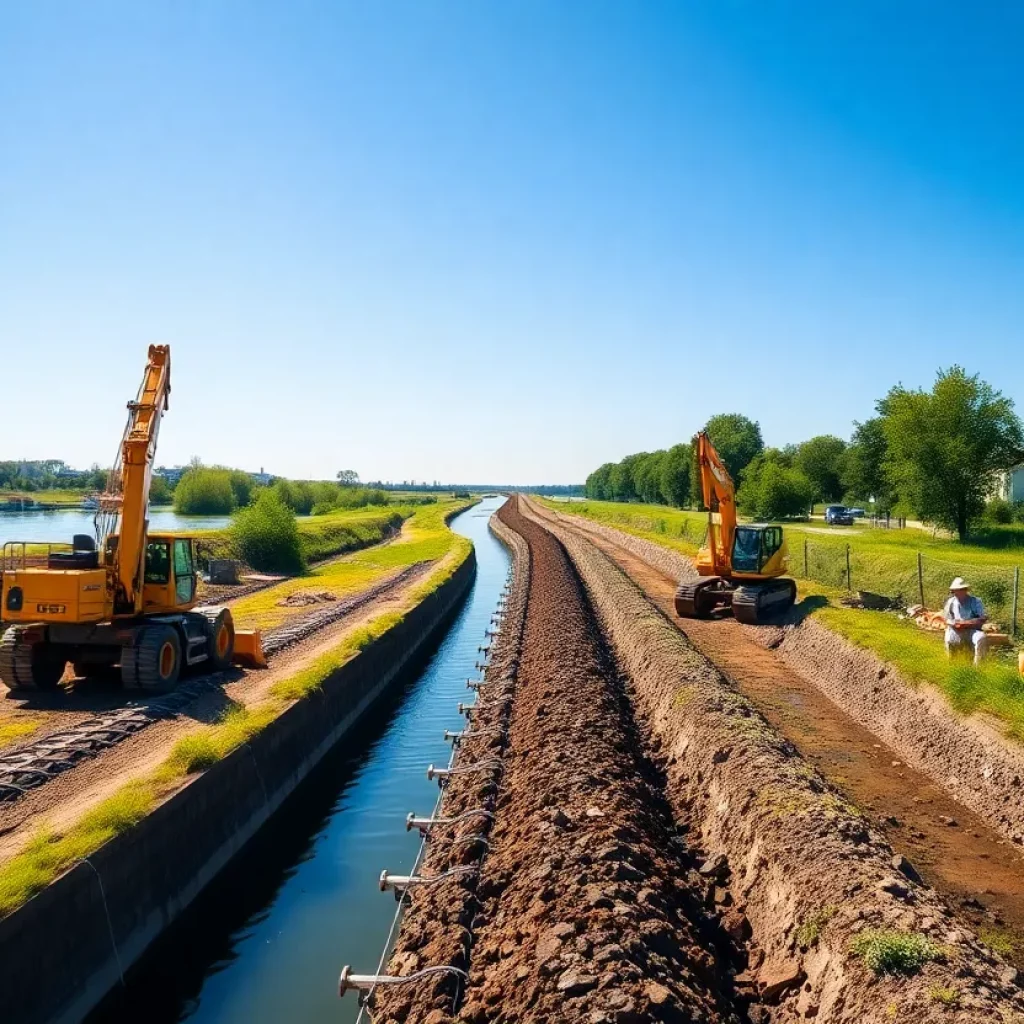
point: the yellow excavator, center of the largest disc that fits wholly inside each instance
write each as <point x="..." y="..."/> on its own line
<point x="742" y="567"/>
<point x="126" y="597"/>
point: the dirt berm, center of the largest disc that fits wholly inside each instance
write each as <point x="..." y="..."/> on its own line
<point x="808" y="877"/>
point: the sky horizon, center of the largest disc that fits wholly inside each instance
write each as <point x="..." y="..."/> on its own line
<point x="443" y="240"/>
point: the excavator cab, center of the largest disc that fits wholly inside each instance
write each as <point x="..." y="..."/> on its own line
<point x="758" y="551"/>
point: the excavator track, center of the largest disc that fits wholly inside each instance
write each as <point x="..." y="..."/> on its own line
<point x="698" y="600"/>
<point x="754" y="604"/>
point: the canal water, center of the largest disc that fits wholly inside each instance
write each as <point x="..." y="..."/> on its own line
<point x="267" y="942"/>
<point x="60" y="525"/>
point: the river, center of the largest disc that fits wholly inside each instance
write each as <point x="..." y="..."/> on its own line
<point x="60" y="525"/>
<point x="266" y="943"/>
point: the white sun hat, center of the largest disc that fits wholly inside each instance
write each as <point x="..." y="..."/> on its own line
<point x="959" y="584"/>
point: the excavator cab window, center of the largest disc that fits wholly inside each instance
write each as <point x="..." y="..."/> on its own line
<point x="184" y="571"/>
<point x="158" y="562"/>
<point x="772" y="541"/>
<point x="746" y="549"/>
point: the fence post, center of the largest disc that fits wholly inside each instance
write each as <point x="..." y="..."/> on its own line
<point x="920" y="577"/>
<point x="849" y="576"/>
<point x="807" y="572"/>
<point x="1016" y="595"/>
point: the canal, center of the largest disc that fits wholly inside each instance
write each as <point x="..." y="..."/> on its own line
<point x="266" y="943"/>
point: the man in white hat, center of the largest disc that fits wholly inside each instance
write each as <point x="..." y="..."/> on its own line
<point x="965" y="616"/>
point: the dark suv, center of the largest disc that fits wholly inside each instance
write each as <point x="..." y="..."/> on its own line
<point x="838" y="515"/>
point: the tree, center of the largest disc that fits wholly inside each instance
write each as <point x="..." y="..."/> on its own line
<point x="647" y="477"/>
<point x="348" y="477"/>
<point x="821" y="461"/>
<point x="864" y="465"/>
<point x="620" y="482"/>
<point x="772" y="488"/>
<point x="944" y="446"/>
<point x="737" y="439"/>
<point x="598" y="485"/>
<point x="675" y="475"/>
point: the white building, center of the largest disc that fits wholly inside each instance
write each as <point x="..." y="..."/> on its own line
<point x="1010" y="484"/>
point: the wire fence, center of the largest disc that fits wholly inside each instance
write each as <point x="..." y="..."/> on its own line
<point x="911" y="579"/>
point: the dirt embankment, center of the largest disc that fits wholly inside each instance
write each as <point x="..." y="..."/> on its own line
<point x="809" y="876"/>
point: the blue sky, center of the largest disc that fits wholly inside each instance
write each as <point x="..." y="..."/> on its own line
<point x="504" y="242"/>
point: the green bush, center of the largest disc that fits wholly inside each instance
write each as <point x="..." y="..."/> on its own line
<point x="266" y="535"/>
<point x="160" y="492"/>
<point x="999" y="512"/>
<point x="893" y="952"/>
<point x="242" y="486"/>
<point x="203" y="491"/>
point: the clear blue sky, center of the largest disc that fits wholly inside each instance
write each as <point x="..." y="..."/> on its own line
<point x="484" y="241"/>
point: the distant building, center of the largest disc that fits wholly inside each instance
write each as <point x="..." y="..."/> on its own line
<point x="263" y="479"/>
<point x="1010" y="484"/>
<point x="172" y="474"/>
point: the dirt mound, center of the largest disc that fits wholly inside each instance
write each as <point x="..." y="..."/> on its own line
<point x="304" y="598"/>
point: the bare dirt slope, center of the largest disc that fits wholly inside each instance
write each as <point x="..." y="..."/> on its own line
<point x="956" y="850"/>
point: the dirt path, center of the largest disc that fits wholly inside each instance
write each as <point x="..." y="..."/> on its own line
<point x="954" y="850"/>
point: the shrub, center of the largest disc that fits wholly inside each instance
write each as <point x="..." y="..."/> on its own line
<point x="999" y="512"/>
<point x="266" y="535"/>
<point x="160" y="492"/>
<point x="242" y="486"/>
<point x="205" y="492"/>
<point x="892" y="952"/>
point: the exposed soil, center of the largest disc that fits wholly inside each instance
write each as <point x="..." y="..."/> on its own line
<point x="954" y="849"/>
<point x="809" y="872"/>
<point x="587" y="908"/>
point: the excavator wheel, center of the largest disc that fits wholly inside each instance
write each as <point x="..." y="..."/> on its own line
<point x="698" y="600"/>
<point x="154" y="663"/>
<point x="753" y="605"/>
<point x="29" y="666"/>
<point x="220" y="630"/>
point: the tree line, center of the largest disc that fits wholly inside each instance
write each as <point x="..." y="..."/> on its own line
<point x="933" y="454"/>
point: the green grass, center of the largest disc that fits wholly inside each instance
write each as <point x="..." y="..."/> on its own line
<point x="1001" y="941"/>
<point x="995" y="688"/>
<point x="894" y="952"/>
<point x="944" y="995"/>
<point x="48" y="854"/>
<point x="424" y="538"/>
<point x="810" y="930"/>
<point x="55" y="497"/>
<point x="322" y="536"/>
<point x="11" y="731"/>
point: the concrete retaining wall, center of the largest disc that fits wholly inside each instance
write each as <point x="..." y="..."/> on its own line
<point x="68" y="946"/>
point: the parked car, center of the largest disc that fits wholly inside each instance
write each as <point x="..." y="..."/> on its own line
<point x="838" y="515"/>
<point x="857" y="513"/>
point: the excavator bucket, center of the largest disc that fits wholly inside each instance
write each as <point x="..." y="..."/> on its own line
<point x="249" y="649"/>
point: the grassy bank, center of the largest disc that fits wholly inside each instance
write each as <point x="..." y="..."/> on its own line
<point x="424" y="538"/>
<point x="996" y="688"/>
<point x="321" y="536"/>
<point x="50" y="853"/>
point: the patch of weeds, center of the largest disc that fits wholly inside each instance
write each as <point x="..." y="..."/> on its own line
<point x="946" y="996"/>
<point x="203" y="749"/>
<point x="1000" y="940"/>
<point x="48" y="854"/>
<point x="11" y="731"/>
<point x="894" y="952"/>
<point x="683" y="697"/>
<point x="810" y="930"/>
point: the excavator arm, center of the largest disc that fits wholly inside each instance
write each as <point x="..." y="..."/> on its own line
<point x="124" y="507"/>
<point x="719" y="495"/>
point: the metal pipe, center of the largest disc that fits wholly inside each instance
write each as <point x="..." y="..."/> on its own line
<point x="367" y="982"/>
<point x="424" y="824"/>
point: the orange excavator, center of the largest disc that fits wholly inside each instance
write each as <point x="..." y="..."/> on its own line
<point x="127" y="597"/>
<point x="741" y="567"/>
